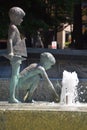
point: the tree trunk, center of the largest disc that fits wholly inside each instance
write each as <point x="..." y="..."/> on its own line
<point x="77" y="28"/>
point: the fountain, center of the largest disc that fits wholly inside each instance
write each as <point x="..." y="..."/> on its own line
<point x="65" y="115"/>
<point x="69" y="88"/>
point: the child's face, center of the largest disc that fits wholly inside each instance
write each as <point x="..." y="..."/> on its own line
<point x="47" y="65"/>
<point x="18" y="20"/>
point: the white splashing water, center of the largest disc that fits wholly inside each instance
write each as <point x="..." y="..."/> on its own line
<point x="69" y="90"/>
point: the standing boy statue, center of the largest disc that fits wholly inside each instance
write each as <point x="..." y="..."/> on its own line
<point x="30" y="77"/>
<point x="16" y="49"/>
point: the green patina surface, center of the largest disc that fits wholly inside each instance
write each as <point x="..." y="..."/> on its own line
<point x="42" y="120"/>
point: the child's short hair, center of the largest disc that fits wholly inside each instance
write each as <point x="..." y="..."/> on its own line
<point x="16" y="11"/>
<point x="47" y="57"/>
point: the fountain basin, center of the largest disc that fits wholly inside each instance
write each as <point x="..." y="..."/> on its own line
<point x="42" y="116"/>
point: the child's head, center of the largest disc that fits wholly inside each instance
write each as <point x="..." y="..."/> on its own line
<point x="47" y="60"/>
<point x="16" y="15"/>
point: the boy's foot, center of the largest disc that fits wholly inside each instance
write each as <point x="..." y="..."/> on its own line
<point x="14" y="100"/>
<point x="56" y="99"/>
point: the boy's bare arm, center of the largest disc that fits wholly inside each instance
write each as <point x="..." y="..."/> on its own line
<point x="45" y="76"/>
<point x="49" y="83"/>
<point x="11" y="35"/>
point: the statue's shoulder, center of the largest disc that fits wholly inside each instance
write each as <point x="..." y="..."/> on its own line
<point x="29" y="68"/>
<point x="41" y="68"/>
<point x="12" y="27"/>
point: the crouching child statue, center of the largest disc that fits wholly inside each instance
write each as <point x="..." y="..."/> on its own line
<point x="30" y="77"/>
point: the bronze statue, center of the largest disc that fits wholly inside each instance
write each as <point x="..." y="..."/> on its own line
<point x="16" y="48"/>
<point x="29" y="78"/>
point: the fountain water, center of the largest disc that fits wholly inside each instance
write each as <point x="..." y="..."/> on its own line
<point x="69" y="88"/>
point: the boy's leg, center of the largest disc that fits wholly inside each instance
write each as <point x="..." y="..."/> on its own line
<point x="29" y="94"/>
<point x="14" y="81"/>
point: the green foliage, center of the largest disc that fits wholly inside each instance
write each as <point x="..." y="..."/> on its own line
<point x="39" y="14"/>
<point x="3" y="23"/>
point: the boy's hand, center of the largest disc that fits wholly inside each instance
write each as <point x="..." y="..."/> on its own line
<point x="56" y="98"/>
<point x="11" y="55"/>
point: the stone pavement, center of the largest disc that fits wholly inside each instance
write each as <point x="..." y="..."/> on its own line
<point x="43" y="106"/>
